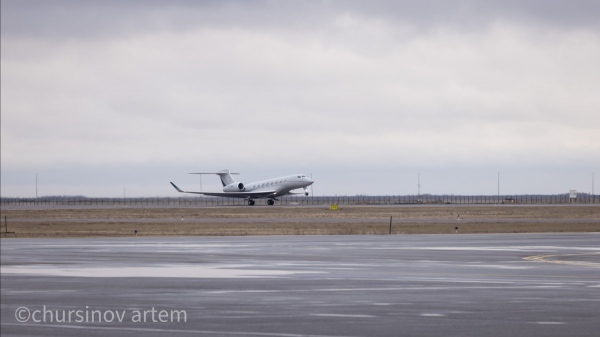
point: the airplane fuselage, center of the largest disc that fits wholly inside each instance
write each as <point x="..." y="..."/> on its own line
<point x="281" y="186"/>
<point x="265" y="189"/>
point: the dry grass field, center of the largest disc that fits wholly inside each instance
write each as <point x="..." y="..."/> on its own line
<point x="280" y="221"/>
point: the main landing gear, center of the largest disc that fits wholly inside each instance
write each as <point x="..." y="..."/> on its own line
<point x="270" y="202"/>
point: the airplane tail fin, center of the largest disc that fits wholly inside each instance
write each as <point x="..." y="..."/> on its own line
<point x="225" y="176"/>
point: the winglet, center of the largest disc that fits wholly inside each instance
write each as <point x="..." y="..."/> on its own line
<point x="177" y="188"/>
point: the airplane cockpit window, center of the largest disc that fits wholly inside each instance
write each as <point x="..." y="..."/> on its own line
<point x="299" y="177"/>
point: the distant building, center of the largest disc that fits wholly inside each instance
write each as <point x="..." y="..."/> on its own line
<point x="573" y="196"/>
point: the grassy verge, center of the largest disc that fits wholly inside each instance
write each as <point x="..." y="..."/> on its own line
<point x="49" y="229"/>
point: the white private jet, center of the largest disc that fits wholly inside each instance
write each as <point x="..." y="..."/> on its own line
<point x="265" y="189"/>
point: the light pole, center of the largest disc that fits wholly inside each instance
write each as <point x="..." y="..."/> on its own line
<point x="498" y="187"/>
<point x="36" y="185"/>
<point x="419" y="184"/>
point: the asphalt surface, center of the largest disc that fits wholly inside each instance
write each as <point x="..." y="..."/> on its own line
<point x="398" y="285"/>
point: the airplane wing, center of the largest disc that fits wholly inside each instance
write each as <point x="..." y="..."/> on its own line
<point x="231" y="194"/>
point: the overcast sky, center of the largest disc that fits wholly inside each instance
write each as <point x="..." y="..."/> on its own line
<point x="98" y="96"/>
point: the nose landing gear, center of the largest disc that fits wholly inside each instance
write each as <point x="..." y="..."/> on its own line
<point x="270" y="202"/>
<point x="250" y="202"/>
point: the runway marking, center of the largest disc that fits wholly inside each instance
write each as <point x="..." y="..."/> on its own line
<point x="491" y="249"/>
<point x="543" y="258"/>
<point x="482" y="275"/>
<point x="432" y="315"/>
<point x="550" y="322"/>
<point x="177" y="271"/>
<point x="166" y="331"/>
<point x="342" y="315"/>
<point x="374" y="289"/>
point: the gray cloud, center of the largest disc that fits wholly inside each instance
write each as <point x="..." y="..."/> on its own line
<point x="102" y="19"/>
<point x="340" y="89"/>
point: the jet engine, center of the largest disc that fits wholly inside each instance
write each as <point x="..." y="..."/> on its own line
<point x="234" y="187"/>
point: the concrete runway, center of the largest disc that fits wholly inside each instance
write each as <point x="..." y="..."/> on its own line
<point x="42" y="207"/>
<point x="409" y="285"/>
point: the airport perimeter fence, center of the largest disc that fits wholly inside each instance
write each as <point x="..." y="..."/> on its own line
<point x="582" y="198"/>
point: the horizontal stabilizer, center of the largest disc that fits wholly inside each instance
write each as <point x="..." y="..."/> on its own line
<point x="211" y="173"/>
<point x="225" y="175"/>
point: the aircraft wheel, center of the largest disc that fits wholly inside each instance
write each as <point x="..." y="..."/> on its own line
<point x="250" y="202"/>
<point x="270" y="202"/>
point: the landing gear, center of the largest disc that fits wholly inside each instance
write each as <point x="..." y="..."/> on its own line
<point x="270" y="202"/>
<point x="250" y="202"/>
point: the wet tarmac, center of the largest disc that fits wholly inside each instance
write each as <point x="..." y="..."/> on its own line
<point x="394" y="285"/>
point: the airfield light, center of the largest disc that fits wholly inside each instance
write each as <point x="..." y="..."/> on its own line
<point x="498" y="187"/>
